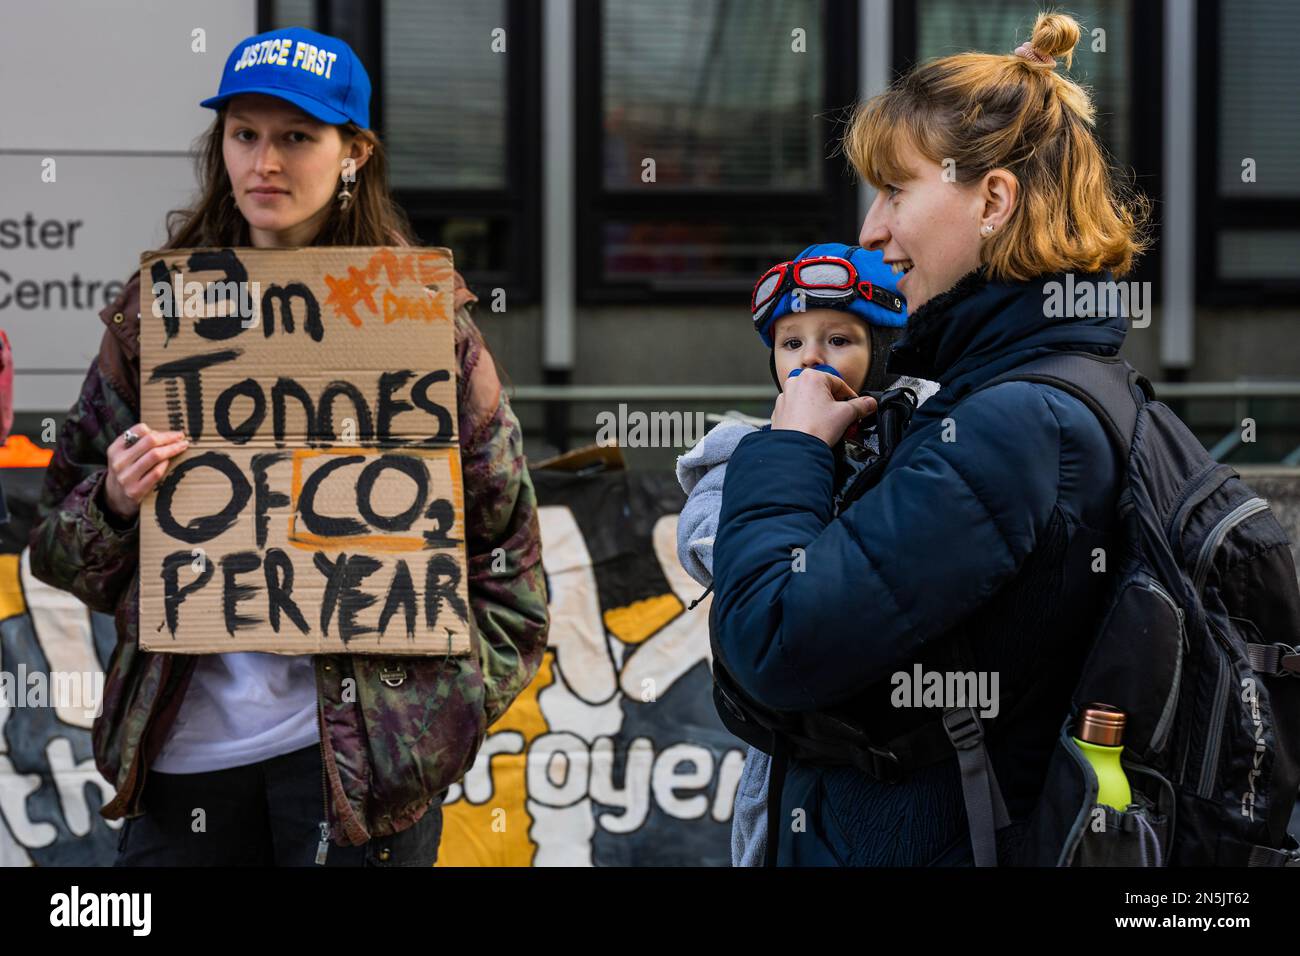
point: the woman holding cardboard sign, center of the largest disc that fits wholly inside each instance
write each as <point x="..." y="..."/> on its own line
<point x="292" y="760"/>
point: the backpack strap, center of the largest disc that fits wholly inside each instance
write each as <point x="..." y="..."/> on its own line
<point x="986" y="812"/>
<point x="775" y="791"/>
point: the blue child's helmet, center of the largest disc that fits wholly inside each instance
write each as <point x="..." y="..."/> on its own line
<point x="866" y="287"/>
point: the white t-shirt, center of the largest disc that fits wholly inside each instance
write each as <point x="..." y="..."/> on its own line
<point x="242" y="708"/>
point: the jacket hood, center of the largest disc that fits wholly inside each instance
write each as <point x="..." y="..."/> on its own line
<point x="983" y="324"/>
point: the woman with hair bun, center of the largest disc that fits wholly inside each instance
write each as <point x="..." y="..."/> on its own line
<point x="976" y="551"/>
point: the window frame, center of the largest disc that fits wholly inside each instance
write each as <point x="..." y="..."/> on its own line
<point x="1216" y="214"/>
<point x="518" y="203"/>
<point x="836" y="203"/>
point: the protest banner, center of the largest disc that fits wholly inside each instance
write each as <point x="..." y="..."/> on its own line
<point x="319" y="506"/>
<point x="612" y="756"/>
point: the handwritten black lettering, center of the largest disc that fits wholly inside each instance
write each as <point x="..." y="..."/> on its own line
<point x="285" y="295"/>
<point x="441" y="511"/>
<point x="279" y="588"/>
<point x="207" y="527"/>
<point x="174" y="593"/>
<point x="316" y="523"/>
<point x="220" y="327"/>
<point x="342" y="581"/>
<point x="420" y="395"/>
<point x="240" y="562"/>
<point x="414" y="469"/>
<point x="242" y="433"/>
<point x="401" y="594"/>
<point x="287" y="387"/>
<point x="390" y="408"/>
<point x="441" y="577"/>
<point x="325" y="413"/>
<point x="264" y="499"/>
<point x="188" y="371"/>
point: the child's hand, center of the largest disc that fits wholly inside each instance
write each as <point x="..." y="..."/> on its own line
<point x="820" y="405"/>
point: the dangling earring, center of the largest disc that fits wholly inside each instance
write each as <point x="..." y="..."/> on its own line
<point x="345" y="197"/>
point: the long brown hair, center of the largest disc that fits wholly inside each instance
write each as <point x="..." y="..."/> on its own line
<point x="371" y="219"/>
<point x="987" y="111"/>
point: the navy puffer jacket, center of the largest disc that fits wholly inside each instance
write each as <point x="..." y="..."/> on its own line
<point x="985" y="524"/>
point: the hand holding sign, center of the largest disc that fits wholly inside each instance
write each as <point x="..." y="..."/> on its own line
<point x="134" y="470"/>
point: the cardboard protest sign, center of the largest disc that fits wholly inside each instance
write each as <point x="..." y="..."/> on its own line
<point x="319" y="507"/>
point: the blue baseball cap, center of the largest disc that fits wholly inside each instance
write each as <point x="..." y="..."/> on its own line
<point x="319" y="74"/>
<point x="886" y="307"/>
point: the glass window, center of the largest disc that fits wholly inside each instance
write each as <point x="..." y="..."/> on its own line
<point x="1248" y="152"/>
<point x="690" y="255"/>
<point x="735" y="107"/>
<point x="291" y="13"/>
<point x="444" y="93"/>
<point x="458" y="106"/>
<point x="1259" y="254"/>
<point x="714" y="92"/>
<point x="1259" y="99"/>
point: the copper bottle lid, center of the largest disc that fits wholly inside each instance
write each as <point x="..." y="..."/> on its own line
<point x="1101" y="724"/>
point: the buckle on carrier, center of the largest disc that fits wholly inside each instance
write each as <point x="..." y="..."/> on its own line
<point x="880" y="764"/>
<point x="1274" y="659"/>
<point x="964" y="727"/>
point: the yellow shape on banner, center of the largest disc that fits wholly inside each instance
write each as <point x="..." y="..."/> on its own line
<point x="468" y="835"/>
<point x="640" y="619"/>
<point x="11" y="590"/>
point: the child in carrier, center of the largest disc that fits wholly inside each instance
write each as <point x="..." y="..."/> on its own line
<point x="833" y="308"/>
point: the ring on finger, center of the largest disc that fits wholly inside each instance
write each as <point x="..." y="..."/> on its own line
<point x="131" y="438"/>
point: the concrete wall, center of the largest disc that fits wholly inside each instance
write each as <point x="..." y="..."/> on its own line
<point x="109" y="93"/>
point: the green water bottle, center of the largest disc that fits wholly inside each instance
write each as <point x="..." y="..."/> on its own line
<point x="1100" y="734"/>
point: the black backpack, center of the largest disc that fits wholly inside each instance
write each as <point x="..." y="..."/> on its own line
<point x="1197" y="647"/>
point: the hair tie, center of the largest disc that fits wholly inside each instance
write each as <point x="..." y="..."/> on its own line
<point x="1028" y="51"/>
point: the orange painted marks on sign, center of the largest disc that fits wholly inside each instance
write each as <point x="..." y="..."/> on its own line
<point x="346" y="293"/>
<point x="453" y="465"/>
<point x="434" y="270"/>
<point x="403" y="307"/>
<point x="357" y="288"/>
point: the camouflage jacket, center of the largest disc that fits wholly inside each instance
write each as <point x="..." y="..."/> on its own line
<point x="415" y="724"/>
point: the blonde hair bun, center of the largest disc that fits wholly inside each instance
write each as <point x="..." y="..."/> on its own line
<point x="1055" y="34"/>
